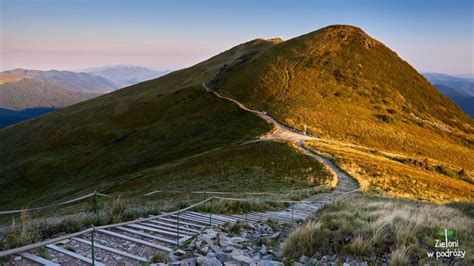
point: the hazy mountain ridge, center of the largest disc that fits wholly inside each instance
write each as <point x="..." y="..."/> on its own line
<point x="459" y="88"/>
<point x="125" y="75"/>
<point x="80" y="82"/>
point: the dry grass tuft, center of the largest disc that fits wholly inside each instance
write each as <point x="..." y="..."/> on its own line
<point x="390" y="230"/>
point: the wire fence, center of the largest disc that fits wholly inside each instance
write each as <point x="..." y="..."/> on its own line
<point x="93" y="229"/>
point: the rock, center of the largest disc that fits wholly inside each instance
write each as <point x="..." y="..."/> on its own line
<point x="209" y="234"/>
<point x="200" y="260"/>
<point x="270" y="263"/>
<point x="346" y="264"/>
<point x="298" y="264"/>
<point x="243" y="258"/>
<point x="223" y="257"/>
<point x="232" y="263"/>
<point x="276" y="235"/>
<point x="185" y="262"/>
<point x="266" y="228"/>
<point x="324" y="259"/>
<point x="334" y="258"/>
<point x="237" y="240"/>
<point x="172" y="257"/>
<point x="268" y="257"/>
<point x="211" y="262"/>
<point x="228" y="249"/>
<point x="303" y="259"/>
<point x="179" y="252"/>
<point x="211" y="245"/>
<point x="18" y="258"/>
<point x="364" y="263"/>
<point x="263" y="250"/>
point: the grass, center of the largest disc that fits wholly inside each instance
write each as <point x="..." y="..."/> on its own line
<point x="413" y="177"/>
<point x="345" y="86"/>
<point x="380" y="230"/>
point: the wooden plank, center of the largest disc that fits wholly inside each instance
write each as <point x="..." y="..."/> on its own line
<point x="172" y="230"/>
<point x="74" y="255"/>
<point x="143" y="226"/>
<point x="136" y="240"/>
<point x="113" y="250"/>
<point x="217" y="216"/>
<point x="193" y="219"/>
<point x="180" y="222"/>
<point x="162" y="239"/>
<point x="181" y="226"/>
<point x="199" y="218"/>
<point x="37" y="259"/>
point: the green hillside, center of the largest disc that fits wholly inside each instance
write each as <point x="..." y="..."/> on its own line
<point x="348" y="87"/>
<point x="157" y="134"/>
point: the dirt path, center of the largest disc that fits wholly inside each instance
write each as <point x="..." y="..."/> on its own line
<point x="281" y="132"/>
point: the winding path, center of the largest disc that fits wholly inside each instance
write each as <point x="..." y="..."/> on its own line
<point x="345" y="183"/>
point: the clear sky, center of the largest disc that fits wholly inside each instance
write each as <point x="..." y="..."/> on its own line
<point x="434" y="36"/>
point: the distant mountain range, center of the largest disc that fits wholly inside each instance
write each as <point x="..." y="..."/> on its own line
<point x="459" y="88"/>
<point x="24" y="91"/>
<point x="125" y="75"/>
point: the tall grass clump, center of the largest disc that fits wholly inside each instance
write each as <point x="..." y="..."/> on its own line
<point x="381" y="230"/>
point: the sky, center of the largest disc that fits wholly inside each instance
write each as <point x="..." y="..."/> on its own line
<point x="433" y="36"/>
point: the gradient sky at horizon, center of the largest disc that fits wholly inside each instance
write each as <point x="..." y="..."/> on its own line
<point x="433" y="36"/>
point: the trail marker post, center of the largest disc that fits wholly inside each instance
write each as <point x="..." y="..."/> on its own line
<point x="96" y="207"/>
<point x="177" y="229"/>
<point x="92" y="245"/>
<point x="292" y="213"/>
<point x="210" y="213"/>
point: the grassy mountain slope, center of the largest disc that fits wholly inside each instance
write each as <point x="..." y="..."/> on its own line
<point x="346" y="86"/>
<point x="34" y="93"/>
<point x="130" y="136"/>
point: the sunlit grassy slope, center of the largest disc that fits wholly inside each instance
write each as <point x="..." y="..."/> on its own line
<point x="346" y="86"/>
<point x="158" y="134"/>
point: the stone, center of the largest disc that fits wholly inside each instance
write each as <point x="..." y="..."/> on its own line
<point x="263" y="250"/>
<point x="298" y="264"/>
<point x="200" y="259"/>
<point x="346" y="264"/>
<point x="270" y="263"/>
<point x="212" y="246"/>
<point x="334" y="258"/>
<point x="172" y="257"/>
<point x="243" y="258"/>
<point x="268" y="257"/>
<point x="303" y="259"/>
<point x="276" y="235"/>
<point x="228" y="249"/>
<point x="232" y="263"/>
<point x="223" y="257"/>
<point x="185" y="262"/>
<point x="211" y="262"/>
<point x="18" y="258"/>
<point x="237" y="240"/>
